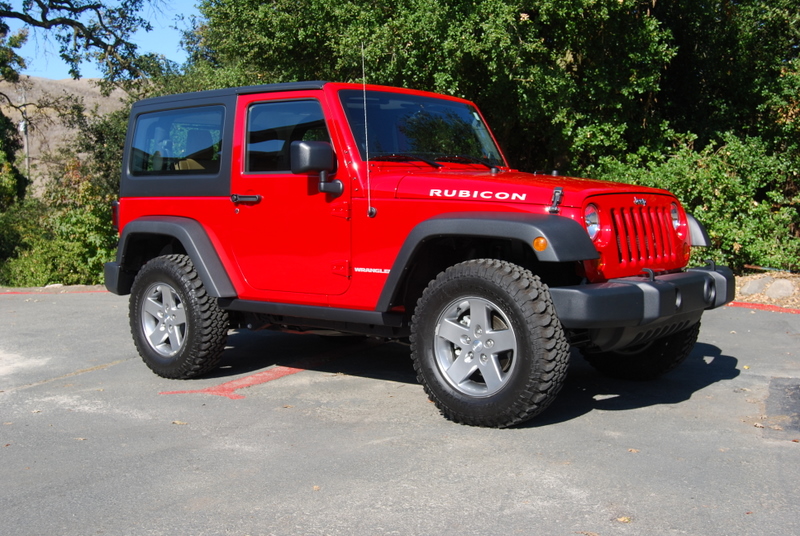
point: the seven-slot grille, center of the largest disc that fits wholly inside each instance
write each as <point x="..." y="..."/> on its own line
<point x="645" y="238"/>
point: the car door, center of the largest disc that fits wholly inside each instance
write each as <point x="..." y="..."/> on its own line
<point x="288" y="236"/>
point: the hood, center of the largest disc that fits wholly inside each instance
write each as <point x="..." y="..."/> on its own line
<point x="511" y="186"/>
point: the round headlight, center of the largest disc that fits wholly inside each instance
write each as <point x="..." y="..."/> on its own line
<point x="675" y="215"/>
<point x="592" y="220"/>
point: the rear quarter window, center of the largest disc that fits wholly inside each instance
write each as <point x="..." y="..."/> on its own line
<point x="178" y="142"/>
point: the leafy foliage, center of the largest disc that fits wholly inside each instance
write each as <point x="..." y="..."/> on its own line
<point x="65" y="236"/>
<point x="557" y="79"/>
<point x="701" y="98"/>
<point x="730" y="187"/>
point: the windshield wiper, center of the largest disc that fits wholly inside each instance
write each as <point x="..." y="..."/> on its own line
<point x="406" y="157"/>
<point x="468" y="158"/>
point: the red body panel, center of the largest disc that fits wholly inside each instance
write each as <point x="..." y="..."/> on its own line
<point x="297" y="245"/>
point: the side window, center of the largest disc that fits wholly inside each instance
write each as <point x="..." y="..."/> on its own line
<point x="178" y="142"/>
<point x="273" y="126"/>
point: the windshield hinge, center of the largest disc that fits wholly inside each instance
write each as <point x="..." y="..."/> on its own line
<point x="558" y="193"/>
<point x="341" y="210"/>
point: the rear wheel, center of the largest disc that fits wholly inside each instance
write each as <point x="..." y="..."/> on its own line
<point x="649" y="361"/>
<point x="487" y="345"/>
<point x="179" y="330"/>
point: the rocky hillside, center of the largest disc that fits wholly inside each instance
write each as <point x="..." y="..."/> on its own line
<point x="46" y="133"/>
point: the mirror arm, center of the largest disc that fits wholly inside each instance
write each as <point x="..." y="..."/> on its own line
<point x="334" y="187"/>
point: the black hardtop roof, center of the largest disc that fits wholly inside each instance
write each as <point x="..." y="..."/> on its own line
<point x="228" y="92"/>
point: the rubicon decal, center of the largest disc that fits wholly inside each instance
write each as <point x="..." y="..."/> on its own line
<point x="477" y="194"/>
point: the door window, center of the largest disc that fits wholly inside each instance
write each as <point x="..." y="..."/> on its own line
<point x="273" y="126"/>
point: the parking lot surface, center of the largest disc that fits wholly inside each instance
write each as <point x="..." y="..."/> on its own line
<point x="307" y="435"/>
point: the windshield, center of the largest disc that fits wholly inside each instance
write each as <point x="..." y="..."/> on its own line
<point x="422" y="128"/>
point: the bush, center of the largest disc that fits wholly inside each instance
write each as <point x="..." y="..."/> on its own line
<point x="745" y="197"/>
<point x="64" y="238"/>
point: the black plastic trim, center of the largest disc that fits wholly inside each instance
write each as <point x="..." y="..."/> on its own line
<point x="637" y="301"/>
<point x="355" y="316"/>
<point x="567" y="240"/>
<point x="697" y="233"/>
<point x="194" y="240"/>
<point x="181" y="100"/>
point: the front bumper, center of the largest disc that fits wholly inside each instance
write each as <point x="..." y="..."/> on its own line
<point x="644" y="301"/>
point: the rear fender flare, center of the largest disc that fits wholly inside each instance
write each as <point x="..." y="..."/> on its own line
<point x="195" y="242"/>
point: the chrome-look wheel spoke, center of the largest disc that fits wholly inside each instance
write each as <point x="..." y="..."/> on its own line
<point x="493" y="374"/>
<point x="167" y="297"/>
<point x="175" y="338"/>
<point x="453" y="331"/>
<point x="461" y="369"/>
<point x="157" y="336"/>
<point x="179" y="316"/>
<point x="480" y="316"/>
<point x="152" y="307"/>
<point x="502" y="341"/>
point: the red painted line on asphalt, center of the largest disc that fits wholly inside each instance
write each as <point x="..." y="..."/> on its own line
<point x="228" y="389"/>
<point x="764" y="307"/>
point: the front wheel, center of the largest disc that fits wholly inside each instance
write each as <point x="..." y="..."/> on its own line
<point x="487" y="345"/>
<point x="649" y="361"/>
<point x="179" y="329"/>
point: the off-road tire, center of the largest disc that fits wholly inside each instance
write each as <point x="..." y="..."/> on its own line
<point x="647" y="362"/>
<point x="179" y="330"/>
<point x="487" y="345"/>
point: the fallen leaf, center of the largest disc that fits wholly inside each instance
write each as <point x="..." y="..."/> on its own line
<point x="287" y="406"/>
<point x="316" y="488"/>
<point x="746" y="367"/>
<point x="80" y="439"/>
<point x="36" y="411"/>
<point x="587" y="533"/>
<point x="7" y="445"/>
<point x="624" y="519"/>
<point x="733" y="332"/>
<point x="633" y="450"/>
<point x="795" y="440"/>
<point x="758" y="425"/>
<point x="179" y="422"/>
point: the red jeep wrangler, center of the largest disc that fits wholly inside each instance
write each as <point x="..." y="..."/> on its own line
<point x="392" y="213"/>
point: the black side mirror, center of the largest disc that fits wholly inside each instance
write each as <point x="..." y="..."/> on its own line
<point x="316" y="156"/>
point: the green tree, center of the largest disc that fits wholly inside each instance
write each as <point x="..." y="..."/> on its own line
<point x="63" y="236"/>
<point x="560" y="81"/>
<point x="730" y="187"/>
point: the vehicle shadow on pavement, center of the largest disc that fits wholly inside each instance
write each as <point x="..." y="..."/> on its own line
<point x="586" y="389"/>
<point x="250" y="352"/>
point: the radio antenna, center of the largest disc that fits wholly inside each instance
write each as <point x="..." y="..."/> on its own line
<point x="371" y="211"/>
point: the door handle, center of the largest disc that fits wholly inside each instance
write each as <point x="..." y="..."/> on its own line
<point x="237" y="198"/>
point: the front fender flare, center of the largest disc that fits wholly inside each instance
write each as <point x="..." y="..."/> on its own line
<point x="567" y="240"/>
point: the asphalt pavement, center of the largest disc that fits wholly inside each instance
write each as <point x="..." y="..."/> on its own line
<point x="305" y="435"/>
